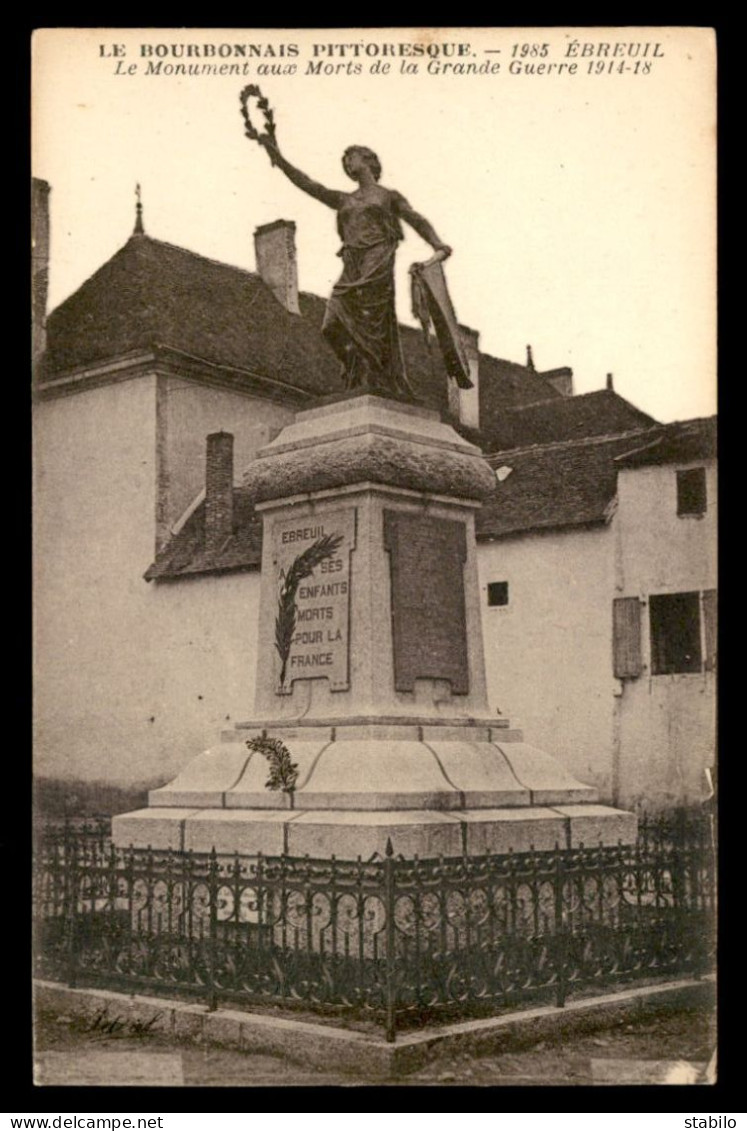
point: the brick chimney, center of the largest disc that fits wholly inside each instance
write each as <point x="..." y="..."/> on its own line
<point x="39" y="265"/>
<point x="218" y="490"/>
<point x="275" y="253"/>
<point x="560" y="379"/>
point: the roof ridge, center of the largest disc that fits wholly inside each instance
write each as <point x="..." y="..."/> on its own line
<point x="196" y="254"/>
<point x="659" y="427"/>
<point x="541" y="373"/>
<point x="574" y="399"/>
<point x="605" y="438"/>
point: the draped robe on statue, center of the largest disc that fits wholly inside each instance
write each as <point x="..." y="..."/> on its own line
<point x="361" y="321"/>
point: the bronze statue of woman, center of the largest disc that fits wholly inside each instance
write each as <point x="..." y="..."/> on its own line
<point x="360" y="322"/>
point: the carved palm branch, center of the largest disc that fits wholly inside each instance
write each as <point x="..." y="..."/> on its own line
<point x="303" y="566"/>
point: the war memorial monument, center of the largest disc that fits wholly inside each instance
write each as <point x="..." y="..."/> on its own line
<point x="371" y="711"/>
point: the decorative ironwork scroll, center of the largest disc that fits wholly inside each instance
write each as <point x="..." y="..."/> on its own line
<point x="389" y="938"/>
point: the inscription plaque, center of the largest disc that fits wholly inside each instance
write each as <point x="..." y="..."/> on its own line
<point x="429" y="629"/>
<point x="311" y="558"/>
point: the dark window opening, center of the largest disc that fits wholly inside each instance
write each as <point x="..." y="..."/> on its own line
<point x="497" y="593"/>
<point x="691" y="491"/>
<point x="675" y="633"/>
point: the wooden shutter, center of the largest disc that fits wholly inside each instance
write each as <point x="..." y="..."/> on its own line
<point x="711" y="630"/>
<point x="626" y="637"/>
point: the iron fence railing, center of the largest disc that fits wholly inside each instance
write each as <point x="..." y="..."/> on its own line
<point x="389" y="938"/>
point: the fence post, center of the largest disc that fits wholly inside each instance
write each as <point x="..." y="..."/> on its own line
<point x="680" y="850"/>
<point x="212" y="1001"/>
<point x="561" y="948"/>
<point x="389" y="901"/>
<point x="70" y="857"/>
<point x="704" y="882"/>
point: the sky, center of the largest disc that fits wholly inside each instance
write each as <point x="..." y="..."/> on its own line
<point x="580" y="205"/>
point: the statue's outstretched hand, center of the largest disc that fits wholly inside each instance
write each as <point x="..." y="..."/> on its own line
<point x="271" y="146"/>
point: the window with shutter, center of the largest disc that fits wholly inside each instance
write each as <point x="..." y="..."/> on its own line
<point x="711" y="629"/>
<point x="675" y="633"/>
<point x="626" y="637"/>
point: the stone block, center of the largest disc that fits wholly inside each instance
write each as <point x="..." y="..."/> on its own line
<point x="149" y="1014"/>
<point x="53" y="997"/>
<point x="368" y="442"/>
<point x="151" y="828"/>
<point x="544" y="775"/>
<point x="497" y="831"/>
<point x="480" y="772"/>
<point x="348" y="835"/>
<point x="103" y="1068"/>
<point x="377" y="775"/>
<point x="236" y="830"/>
<point x="381" y="732"/>
<point x="223" y="1027"/>
<point x="188" y="1021"/>
<point x="316" y="1046"/>
<point x="591" y="825"/>
<point x="319" y="734"/>
<point x="554" y="797"/>
<point x="454" y="733"/>
<point x="204" y="780"/>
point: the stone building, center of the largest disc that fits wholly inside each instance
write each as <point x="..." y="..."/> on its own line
<point x="598" y="574"/>
<point x="156" y="383"/>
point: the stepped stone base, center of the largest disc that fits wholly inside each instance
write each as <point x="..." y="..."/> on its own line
<point x="347" y="834"/>
<point x="432" y="788"/>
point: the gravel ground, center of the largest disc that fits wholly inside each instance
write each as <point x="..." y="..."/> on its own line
<point x="661" y="1045"/>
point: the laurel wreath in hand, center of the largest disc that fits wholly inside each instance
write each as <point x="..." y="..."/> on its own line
<point x="253" y="91"/>
<point x="303" y="566"/>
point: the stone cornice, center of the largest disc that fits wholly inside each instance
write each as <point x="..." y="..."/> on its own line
<point x="167" y="362"/>
<point x="370" y="458"/>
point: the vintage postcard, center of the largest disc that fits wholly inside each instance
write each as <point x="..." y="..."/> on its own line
<point x="374" y="387"/>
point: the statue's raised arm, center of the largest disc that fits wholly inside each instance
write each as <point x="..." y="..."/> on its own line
<point x="331" y="197"/>
<point x="360" y="323"/>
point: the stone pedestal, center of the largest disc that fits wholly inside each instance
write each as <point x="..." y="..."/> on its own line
<point x="370" y="665"/>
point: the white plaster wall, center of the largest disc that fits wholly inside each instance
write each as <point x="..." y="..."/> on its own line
<point x="94" y="516"/>
<point x="659" y="551"/>
<point x="548" y="652"/>
<point x="667" y="723"/>
<point x="189" y="412"/>
<point x="203" y="634"/>
<point x="131" y="679"/>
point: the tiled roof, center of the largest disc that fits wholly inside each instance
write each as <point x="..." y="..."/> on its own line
<point x="506" y="384"/>
<point x="151" y="294"/>
<point x="682" y="442"/>
<point x="573" y="483"/>
<point x="602" y="413"/>
<point x="186" y="554"/>
<point x="549" y="486"/>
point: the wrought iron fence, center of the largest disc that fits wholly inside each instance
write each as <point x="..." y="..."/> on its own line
<point x="389" y="938"/>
